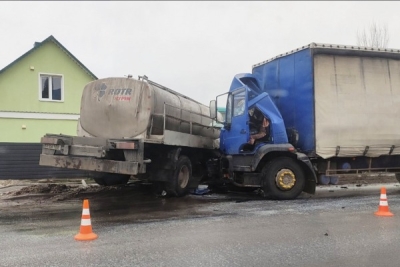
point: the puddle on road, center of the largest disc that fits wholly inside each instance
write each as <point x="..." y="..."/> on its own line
<point x="141" y="205"/>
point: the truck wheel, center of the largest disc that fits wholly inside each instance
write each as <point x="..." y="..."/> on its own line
<point x="181" y="178"/>
<point x="283" y="178"/>
<point x="110" y="179"/>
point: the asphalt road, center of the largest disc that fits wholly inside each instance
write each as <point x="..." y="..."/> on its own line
<point x="336" y="227"/>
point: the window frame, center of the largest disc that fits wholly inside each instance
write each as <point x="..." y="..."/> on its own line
<point x="50" y="89"/>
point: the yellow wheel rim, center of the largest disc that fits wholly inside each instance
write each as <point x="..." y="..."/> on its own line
<point x="285" y="179"/>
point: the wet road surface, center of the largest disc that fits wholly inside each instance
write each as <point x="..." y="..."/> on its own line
<point x="336" y="227"/>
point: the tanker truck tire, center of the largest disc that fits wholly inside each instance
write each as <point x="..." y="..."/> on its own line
<point x="110" y="179"/>
<point x="283" y="179"/>
<point x="181" y="178"/>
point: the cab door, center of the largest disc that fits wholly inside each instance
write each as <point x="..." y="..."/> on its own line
<point x="236" y="129"/>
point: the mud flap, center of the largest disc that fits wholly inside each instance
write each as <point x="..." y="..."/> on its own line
<point x="311" y="177"/>
<point x="310" y="186"/>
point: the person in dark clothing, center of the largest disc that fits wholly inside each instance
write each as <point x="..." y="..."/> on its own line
<point x="262" y="132"/>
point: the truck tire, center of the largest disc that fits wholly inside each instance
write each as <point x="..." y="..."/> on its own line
<point x="109" y="179"/>
<point x="181" y="178"/>
<point x="283" y="179"/>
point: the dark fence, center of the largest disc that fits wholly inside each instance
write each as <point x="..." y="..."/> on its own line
<point x="21" y="161"/>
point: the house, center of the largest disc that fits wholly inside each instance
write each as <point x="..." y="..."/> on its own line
<point x="40" y="93"/>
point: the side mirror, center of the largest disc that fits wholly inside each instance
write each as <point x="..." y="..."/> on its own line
<point x="213" y="109"/>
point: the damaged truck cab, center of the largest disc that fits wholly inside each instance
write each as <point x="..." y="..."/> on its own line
<point x="271" y="162"/>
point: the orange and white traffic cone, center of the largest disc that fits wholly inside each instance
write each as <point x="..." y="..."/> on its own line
<point x="85" y="232"/>
<point x="383" y="209"/>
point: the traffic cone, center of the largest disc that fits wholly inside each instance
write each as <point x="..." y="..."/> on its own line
<point x="85" y="232"/>
<point x="383" y="209"/>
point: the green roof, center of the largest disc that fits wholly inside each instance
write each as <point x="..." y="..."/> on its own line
<point x="54" y="40"/>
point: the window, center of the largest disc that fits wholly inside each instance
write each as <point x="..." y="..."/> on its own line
<point x="51" y="87"/>
<point x="239" y="99"/>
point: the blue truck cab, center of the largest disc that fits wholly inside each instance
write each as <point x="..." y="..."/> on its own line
<point x="247" y="101"/>
<point x="271" y="163"/>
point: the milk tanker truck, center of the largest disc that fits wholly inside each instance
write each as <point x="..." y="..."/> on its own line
<point x="136" y="127"/>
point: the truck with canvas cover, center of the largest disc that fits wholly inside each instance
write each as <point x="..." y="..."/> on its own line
<point x="136" y="127"/>
<point x="332" y="110"/>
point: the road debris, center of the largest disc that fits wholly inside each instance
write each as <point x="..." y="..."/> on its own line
<point x="84" y="184"/>
<point x="58" y="192"/>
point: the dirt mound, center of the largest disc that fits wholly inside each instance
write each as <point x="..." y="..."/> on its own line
<point x="43" y="189"/>
<point x="57" y="192"/>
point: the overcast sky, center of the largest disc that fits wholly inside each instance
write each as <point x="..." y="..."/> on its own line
<point x="194" y="48"/>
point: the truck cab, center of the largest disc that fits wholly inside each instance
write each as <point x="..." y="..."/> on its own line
<point x="246" y="105"/>
<point x="271" y="163"/>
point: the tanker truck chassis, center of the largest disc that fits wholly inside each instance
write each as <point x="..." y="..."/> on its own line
<point x="159" y="136"/>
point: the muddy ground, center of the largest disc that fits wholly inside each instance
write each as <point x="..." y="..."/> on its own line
<point x="56" y="190"/>
<point x="24" y="203"/>
<point x="63" y="190"/>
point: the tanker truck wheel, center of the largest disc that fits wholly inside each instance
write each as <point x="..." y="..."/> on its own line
<point x="283" y="178"/>
<point x="109" y="179"/>
<point x="181" y="178"/>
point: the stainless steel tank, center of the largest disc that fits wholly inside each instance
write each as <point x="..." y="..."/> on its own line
<point x="128" y="108"/>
